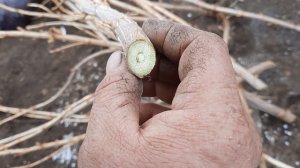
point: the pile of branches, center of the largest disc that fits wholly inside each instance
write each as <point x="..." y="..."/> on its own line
<point x="60" y="14"/>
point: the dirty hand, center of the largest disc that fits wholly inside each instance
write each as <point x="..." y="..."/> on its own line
<point x="206" y="125"/>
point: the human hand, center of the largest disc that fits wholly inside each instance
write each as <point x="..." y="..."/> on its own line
<point x="206" y="125"/>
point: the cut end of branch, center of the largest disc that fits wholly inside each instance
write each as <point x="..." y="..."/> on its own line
<point x="141" y="58"/>
<point x="289" y="117"/>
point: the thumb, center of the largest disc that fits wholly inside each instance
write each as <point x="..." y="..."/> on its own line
<point x="117" y="100"/>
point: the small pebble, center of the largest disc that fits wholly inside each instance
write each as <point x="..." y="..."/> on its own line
<point x="288" y="133"/>
<point x="95" y="64"/>
<point x="269" y="137"/>
<point x="285" y="126"/>
<point x="286" y="143"/>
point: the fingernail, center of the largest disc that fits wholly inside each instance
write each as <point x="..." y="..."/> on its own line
<point x="114" y="61"/>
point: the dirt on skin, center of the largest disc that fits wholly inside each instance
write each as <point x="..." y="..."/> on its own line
<point x="29" y="75"/>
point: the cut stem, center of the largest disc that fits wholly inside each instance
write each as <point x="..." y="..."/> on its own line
<point x="134" y="41"/>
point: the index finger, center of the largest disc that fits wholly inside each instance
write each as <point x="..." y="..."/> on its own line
<point x="204" y="65"/>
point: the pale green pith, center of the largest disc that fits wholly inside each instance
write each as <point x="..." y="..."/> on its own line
<point x="141" y="58"/>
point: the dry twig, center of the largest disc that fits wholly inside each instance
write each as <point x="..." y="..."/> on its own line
<point x="42" y="14"/>
<point x="54" y="36"/>
<point x="167" y="13"/>
<point x="65" y="47"/>
<point x="143" y="4"/>
<point x="39" y="6"/>
<point x="257" y="103"/>
<point x="42" y="160"/>
<point x="183" y="8"/>
<point x="43" y="115"/>
<point x="22" y="151"/>
<point x="241" y="13"/>
<point x="247" y="76"/>
<point x="259" y="68"/>
<point x="20" y="137"/>
<point x="276" y="162"/>
<point x="128" y="7"/>
<point x="59" y="23"/>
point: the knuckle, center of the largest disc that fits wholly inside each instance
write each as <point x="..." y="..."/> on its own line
<point x="219" y="47"/>
<point x="206" y="49"/>
<point x="217" y="39"/>
<point x="213" y="42"/>
<point x="177" y="34"/>
<point x="179" y="38"/>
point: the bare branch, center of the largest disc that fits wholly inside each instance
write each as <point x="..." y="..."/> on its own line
<point x="241" y="13"/>
<point x="257" y="103"/>
<point x="40" y="161"/>
<point x="43" y="14"/>
<point x="54" y="36"/>
<point x="22" y="151"/>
